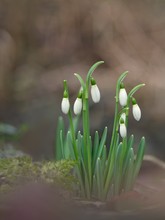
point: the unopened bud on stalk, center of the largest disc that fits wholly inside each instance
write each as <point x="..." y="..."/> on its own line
<point x="95" y="92"/>
<point x="123" y="129"/>
<point x="77" y="108"/>
<point x="136" y="110"/>
<point x="122" y="95"/>
<point x="65" y="105"/>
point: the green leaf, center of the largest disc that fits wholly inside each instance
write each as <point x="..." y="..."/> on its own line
<point x="118" y="169"/>
<point x="94" y="186"/>
<point x="129" y="175"/>
<point x="116" y="143"/>
<point x="99" y="178"/>
<point x="60" y="127"/>
<point x="130" y="144"/>
<point x="80" y="145"/>
<point x="90" y="144"/>
<point x="104" y="158"/>
<point x="139" y="157"/>
<point x="75" y="122"/>
<point x="70" y="145"/>
<point x="66" y="149"/>
<point x="102" y="142"/>
<point x="80" y="178"/>
<point x="95" y="150"/>
<point x="86" y="180"/>
<point x="110" y="192"/>
<point x="62" y="144"/>
<point x="131" y="141"/>
<point x="110" y="171"/>
<point x="126" y="161"/>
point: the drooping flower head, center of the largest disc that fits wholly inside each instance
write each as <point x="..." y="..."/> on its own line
<point x="65" y="105"/>
<point x="77" y="108"/>
<point x="122" y="95"/>
<point x="136" y="110"/>
<point x="122" y="129"/>
<point x="95" y="92"/>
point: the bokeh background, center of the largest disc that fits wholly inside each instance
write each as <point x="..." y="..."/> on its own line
<point x="43" y="42"/>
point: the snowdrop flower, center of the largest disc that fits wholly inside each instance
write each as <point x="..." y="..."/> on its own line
<point x="122" y="95"/>
<point x="136" y="110"/>
<point x="123" y="129"/>
<point x="123" y="116"/>
<point x="65" y="105"/>
<point x="95" y="92"/>
<point x="78" y="104"/>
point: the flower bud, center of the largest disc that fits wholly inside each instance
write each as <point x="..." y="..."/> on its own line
<point x="136" y="110"/>
<point x="65" y="105"/>
<point x="95" y="92"/>
<point x="122" y="95"/>
<point x="123" y="129"/>
<point x="77" y="106"/>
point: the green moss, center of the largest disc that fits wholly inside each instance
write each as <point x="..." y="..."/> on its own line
<point x="16" y="171"/>
<point x="59" y="171"/>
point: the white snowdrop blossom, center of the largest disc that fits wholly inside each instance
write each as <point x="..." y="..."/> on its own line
<point x="123" y="116"/>
<point x="136" y="112"/>
<point x="123" y="130"/>
<point x="65" y="105"/>
<point x="77" y="106"/>
<point x="95" y="93"/>
<point x="122" y="96"/>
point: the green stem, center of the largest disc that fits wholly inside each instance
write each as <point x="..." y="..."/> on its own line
<point x="73" y="134"/>
<point x="114" y="128"/>
<point x="87" y="147"/>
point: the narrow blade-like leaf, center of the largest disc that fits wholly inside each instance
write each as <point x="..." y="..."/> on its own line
<point x="102" y="142"/>
<point x="95" y="149"/>
<point x="60" y="127"/>
<point x="139" y="157"/>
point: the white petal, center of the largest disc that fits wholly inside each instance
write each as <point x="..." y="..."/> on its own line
<point x="95" y="93"/>
<point x="123" y="130"/>
<point x="123" y="97"/>
<point x="65" y="105"/>
<point x="136" y="112"/>
<point x="123" y="116"/>
<point x="77" y="106"/>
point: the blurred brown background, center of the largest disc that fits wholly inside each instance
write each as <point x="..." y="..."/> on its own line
<point x="43" y="42"/>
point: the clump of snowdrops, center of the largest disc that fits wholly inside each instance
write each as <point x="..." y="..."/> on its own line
<point x="103" y="170"/>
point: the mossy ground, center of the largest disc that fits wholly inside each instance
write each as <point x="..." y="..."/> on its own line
<point x="17" y="171"/>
